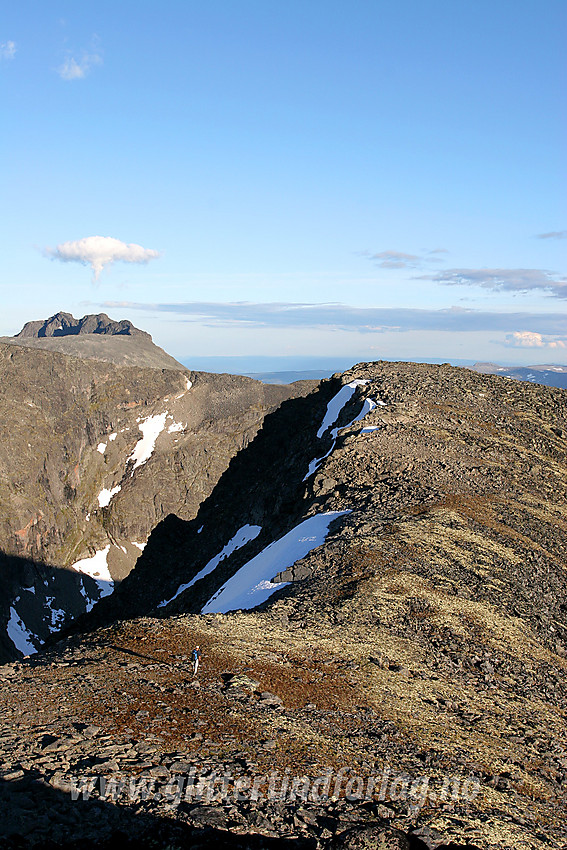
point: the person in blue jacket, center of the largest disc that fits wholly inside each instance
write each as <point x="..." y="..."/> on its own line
<point x="196" y="659"/>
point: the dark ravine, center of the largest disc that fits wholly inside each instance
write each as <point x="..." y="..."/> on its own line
<point x="68" y="427"/>
<point x="427" y="636"/>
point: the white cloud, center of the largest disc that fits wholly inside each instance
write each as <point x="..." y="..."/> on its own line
<point x="100" y="251"/>
<point x="530" y="339"/>
<point x="401" y="260"/>
<point x="7" y="50"/>
<point x="76" y="69"/>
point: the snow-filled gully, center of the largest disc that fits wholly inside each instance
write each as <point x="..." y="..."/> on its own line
<point x="252" y="584"/>
<point x="334" y="410"/>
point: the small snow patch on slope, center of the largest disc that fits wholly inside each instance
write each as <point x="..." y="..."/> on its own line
<point x="57" y="614"/>
<point x="242" y="536"/>
<point x="101" y="448"/>
<point x="97" y="568"/>
<point x="151" y="428"/>
<point x="106" y="495"/>
<point x="252" y="584"/>
<point x="334" y="409"/>
<point x="188" y="385"/>
<point x="337" y="403"/>
<point x="175" y="426"/>
<point x="19" y="635"/>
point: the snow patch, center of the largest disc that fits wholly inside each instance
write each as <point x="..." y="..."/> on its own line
<point x="112" y="437"/>
<point x="175" y="426"/>
<point x="369" y="429"/>
<point x="101" y="448"/>
<point x="151" y="428"/>
<point x="19" y="635"/>
<point x="29" y="589"/>
<point x="57" y="615"/>
<point x="97" y="568"/>
<point x="242" y="536"/>
<point x="334" y="409"/>
<point x="188" y="385"/>
<point x="252" y="584"/>
<point x="337" y="403"/>
<point x="140" y="546"/>
<point x="106" y="495"/>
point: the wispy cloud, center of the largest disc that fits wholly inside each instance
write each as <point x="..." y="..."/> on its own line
<point x="75" y="68"/>
<point x="401" y="260"/>
<point x="396" y="260"/>
<point x="530" y="339"/>
<point x="359" y="319"/>
<point x="100" y="251"/>
<point x="7" y="50"/>
<point x="508" y="280"/>
<point x="554" y="234"/>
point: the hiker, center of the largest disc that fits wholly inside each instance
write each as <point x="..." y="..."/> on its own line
<point x="196" y="658"/>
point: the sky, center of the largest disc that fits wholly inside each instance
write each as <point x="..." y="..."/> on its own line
<point x="359" y="180"/>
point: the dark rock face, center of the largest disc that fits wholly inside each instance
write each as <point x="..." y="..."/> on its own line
<point x="73" y="485"/>
<point x="64" y="324"/>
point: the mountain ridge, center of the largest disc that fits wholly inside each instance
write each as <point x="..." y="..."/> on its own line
<point x="424" y="639"/>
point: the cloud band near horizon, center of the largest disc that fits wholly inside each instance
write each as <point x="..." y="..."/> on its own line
<point x="358" y="319"/>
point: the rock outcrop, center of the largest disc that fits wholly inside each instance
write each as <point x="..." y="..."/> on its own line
<point x="64" y="324"/>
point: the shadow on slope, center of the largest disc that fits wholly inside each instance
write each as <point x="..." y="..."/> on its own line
<point x="39" y="599"/>
<point x="263" y="486"/>
<point x="37" y="816"/>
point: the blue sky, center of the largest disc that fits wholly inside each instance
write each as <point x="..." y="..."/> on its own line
<point x="247" y="162"/>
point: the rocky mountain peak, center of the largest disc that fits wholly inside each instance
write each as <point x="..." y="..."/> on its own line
<point x="65" y="324"/>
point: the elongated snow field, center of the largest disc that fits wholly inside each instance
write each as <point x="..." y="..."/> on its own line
<point x="242" y="536"/>
<point x="252" y="584"/>
<point x="19" y="635"/>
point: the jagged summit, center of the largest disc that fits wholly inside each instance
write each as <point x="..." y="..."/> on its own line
<point x="65" y="324"/>
<point x="95" y="336"/>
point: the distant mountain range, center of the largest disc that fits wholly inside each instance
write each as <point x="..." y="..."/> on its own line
<point x="550" y="376"/>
